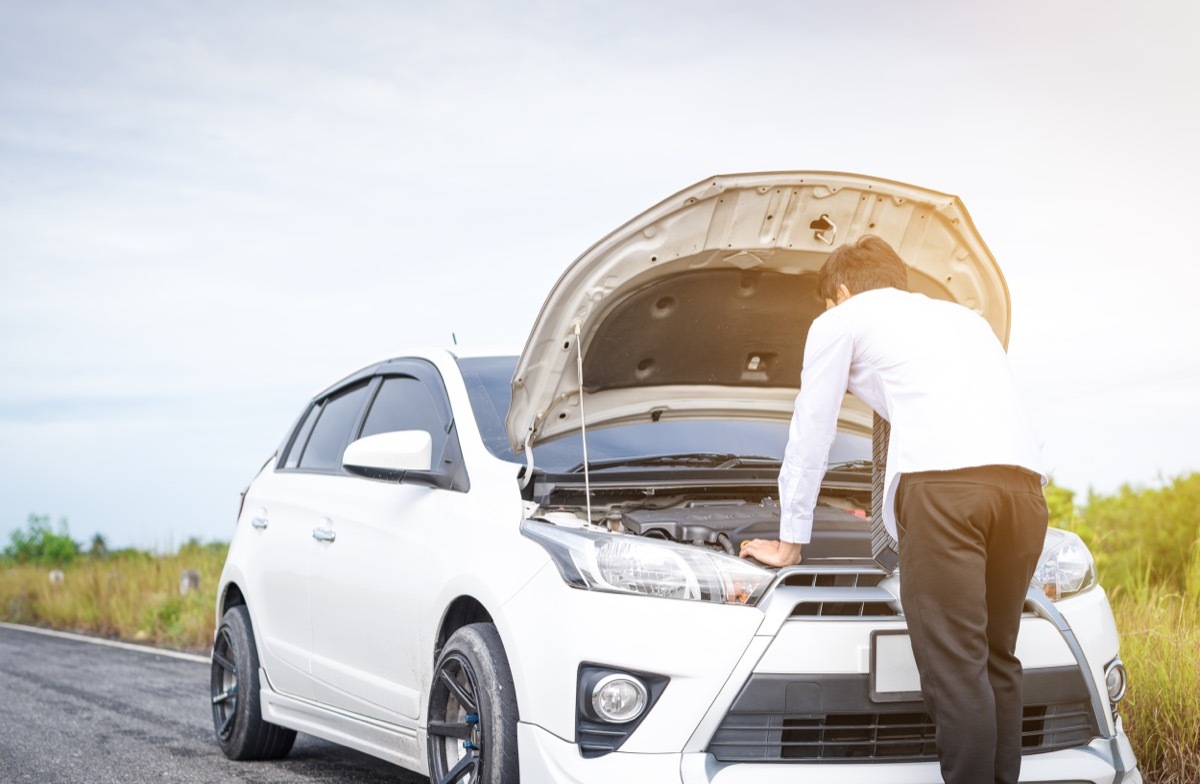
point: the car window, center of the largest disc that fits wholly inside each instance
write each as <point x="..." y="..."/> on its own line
<point x="297" y="444"/>
<point x="331" y="433"/>
<point x="488" y="387"/>
<point x="404" y="403"/>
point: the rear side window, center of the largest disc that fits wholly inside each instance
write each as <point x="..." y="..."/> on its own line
<point x="331" y="434"/>
<point x="404" y="403"/>
<point x="297" y="447"/>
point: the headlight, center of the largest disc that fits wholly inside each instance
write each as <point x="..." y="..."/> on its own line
<point x="624" y="563"/>
<point x="1066" y="566"/>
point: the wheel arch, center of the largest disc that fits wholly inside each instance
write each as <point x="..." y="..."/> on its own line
<point x="462" y="611"/>
<point x="231" y="596"/>
<point x="470" y="650"/>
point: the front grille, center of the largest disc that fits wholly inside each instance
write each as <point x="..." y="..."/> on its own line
<point x="850" y="576"/>
<point x="846" y="591"/>
<point x="853" y="729"/>
<point x="844" y="610"/>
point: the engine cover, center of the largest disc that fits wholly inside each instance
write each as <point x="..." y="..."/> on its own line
<point x="836" y="533"/>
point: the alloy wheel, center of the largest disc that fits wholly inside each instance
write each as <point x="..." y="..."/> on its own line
<point x="224" y="684"/>
<point x="458" y="735"/>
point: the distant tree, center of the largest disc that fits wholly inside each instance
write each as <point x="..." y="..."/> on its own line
<point x="39" y="543"/>
<point x="99" y="548"/>
<point x="195" y="548"/>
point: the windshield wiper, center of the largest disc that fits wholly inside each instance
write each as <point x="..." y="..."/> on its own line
<point x="717" y="460"/>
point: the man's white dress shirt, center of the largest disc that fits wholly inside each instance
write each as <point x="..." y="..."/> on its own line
<point x="933" y="369"/>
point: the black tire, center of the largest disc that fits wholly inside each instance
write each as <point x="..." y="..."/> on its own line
<point x="472" y="728"/>
<point x="237" y="715"/>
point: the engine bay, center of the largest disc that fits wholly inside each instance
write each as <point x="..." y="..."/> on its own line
<point x="718" y="518"/>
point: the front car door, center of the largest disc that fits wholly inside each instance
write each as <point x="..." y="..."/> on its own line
<point x="368" y="583"/>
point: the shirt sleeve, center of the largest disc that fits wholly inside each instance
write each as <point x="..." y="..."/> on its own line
<point x="828" y="352"/>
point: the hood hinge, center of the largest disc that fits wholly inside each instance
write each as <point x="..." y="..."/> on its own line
<point x="527" y="476"/>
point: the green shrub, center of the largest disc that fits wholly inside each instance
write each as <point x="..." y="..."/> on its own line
<point x="1061" y="503"/>
<point x="1147" y="540"/>
<point x="38" y="543"/>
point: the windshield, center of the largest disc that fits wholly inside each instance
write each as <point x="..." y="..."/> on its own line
<point x="488" y="382"/>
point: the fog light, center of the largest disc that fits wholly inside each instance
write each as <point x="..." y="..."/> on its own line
<point x="1116" y="679"/>
<point x="619" y="698"/>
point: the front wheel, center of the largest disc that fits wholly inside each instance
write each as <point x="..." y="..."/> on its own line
<point x="473" y="711"/>
<point x="237" y="715"/>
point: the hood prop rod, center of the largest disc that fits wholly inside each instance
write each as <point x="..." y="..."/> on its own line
<point x="587" y="481"/>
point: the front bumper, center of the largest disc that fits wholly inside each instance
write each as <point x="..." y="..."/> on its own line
<point x="547" y="758"/>
<point x="712" y="653"/>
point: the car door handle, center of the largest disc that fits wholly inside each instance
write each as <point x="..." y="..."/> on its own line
<point x="259" y="522"/>
<point x="324" y="535"/>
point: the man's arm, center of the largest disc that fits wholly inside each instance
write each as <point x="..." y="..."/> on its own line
<point x="827" y="356"/>
<point x="771" y="552"/>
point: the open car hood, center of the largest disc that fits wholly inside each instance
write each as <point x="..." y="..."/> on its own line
<point x="700" y="306"/>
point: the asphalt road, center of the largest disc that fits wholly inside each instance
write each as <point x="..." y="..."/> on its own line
<point x="74" y="712"/>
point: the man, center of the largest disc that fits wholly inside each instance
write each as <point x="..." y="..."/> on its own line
<point x="963" y="490"/>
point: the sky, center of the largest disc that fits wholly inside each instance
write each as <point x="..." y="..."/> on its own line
<point x="211" y="210"/>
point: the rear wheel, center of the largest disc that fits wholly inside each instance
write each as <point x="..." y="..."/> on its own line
<point x="237" y="717"/>
<point x="473" y="711"/>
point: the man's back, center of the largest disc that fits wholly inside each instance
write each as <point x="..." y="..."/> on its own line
<point x="938" y="373"/>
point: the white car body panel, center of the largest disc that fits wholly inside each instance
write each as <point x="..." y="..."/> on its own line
<point x="678" y="640"/>
<point x="363" y="658"/>
<point x="396" y="744"/>
<point x="279" y="568"/>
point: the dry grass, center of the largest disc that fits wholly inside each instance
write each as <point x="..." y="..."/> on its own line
<point x="1160" y="645"/>
<point x="131" y="596"/>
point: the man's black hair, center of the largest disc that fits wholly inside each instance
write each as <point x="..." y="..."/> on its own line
<point x="869" y="263"/>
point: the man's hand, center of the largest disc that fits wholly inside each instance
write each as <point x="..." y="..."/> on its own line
<point x="772" y="552"/>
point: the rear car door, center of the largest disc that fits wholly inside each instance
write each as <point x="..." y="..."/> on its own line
<point x="286" y="507"/>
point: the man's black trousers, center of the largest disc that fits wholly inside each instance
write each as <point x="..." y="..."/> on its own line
<point x="969" y="543"/>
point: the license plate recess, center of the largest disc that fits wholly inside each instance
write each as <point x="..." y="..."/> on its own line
<point x="894" y="676"/>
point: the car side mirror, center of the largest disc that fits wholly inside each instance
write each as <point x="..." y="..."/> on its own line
<point x="390" y="456"/>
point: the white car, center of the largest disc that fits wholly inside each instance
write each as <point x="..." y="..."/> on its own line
<point x="486" y="568"/>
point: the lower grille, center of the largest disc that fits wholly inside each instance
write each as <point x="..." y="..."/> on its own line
<point x="880" y="736"/>
<point x="856" y="730"/>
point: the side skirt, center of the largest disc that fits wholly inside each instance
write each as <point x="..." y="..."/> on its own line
<point x="399" y="745"/>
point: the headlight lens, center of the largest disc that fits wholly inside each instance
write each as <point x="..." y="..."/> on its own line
<point x="1066" y="566"/>
<point x="624" y="563"/>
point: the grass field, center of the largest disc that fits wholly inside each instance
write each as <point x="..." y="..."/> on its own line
<point x="130" y="596"/>
<point x="1160" y="645"/>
